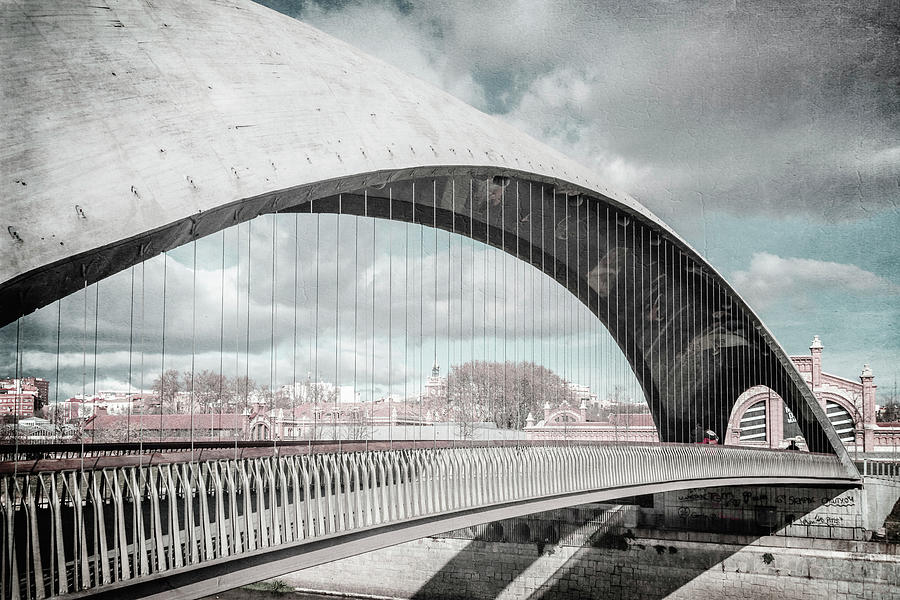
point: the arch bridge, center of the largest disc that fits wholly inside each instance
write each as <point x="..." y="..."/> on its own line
<point x="137" y="129"/>
<point x="192" y="522"/>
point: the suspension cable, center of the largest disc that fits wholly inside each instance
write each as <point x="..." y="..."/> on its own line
<point x="162" y="375"/>
<point x="57" y="432"/>
<point x="273" y="350"/>
<point x="221" y="380"/>
<point x="130" y="354"/>
<point x="193" y="338"/>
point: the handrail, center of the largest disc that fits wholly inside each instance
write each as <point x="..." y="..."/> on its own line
<point x="879" y="467"/>
<point x="35" y="458"/>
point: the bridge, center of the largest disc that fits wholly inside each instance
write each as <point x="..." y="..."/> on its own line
<point x="273" y="157"/>
<point x="199" y="521"/>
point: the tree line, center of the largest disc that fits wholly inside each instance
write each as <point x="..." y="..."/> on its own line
<point x="214" y="392"/>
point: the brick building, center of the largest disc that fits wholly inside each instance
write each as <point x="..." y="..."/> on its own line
<point x="23" y="397"/>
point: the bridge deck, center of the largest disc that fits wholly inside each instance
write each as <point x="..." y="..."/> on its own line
<point x="146" y="527"/>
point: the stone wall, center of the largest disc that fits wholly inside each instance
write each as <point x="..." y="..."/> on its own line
<point x="741" y="543"/>
<point x="450" y="569"/>
<point x="797" y="512"/>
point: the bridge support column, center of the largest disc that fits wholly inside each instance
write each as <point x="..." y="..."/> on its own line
<point x="775" y="420"/>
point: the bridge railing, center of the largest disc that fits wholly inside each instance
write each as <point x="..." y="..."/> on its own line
<point x="72" y="530"/>
<point x="879" y="467"/>
<point x="41" y="457"/>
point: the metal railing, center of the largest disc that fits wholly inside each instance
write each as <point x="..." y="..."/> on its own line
<point x="879" y="467"/>
<point x="65" y="531"/>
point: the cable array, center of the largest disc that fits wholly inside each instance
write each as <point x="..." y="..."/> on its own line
<point x="527" y="299"/>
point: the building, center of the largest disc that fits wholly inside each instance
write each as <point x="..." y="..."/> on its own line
<point x="567" y="422"/>
<point x="582" y="392"/>
<point x="102" y="426"/>
<point x="23" y="397"/>
<point x="112" y="402"/>
<point x="760" y="417"/>
<point x="435" y="385"/>
<point x="37" y="429"/>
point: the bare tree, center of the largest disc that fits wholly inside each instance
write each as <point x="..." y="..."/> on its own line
<point x="357" y="426"/>
<point x="240" y="391"/>
<point x="210" y="390"/>
<point x="503" y="393"/>
<point x="890" y="412"/>
<point x="319" y="393"/>
<point x="166" y="389"/>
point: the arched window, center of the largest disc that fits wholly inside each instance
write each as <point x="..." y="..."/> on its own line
<point x="753" y="423"/>
<point x="842" y="421"/>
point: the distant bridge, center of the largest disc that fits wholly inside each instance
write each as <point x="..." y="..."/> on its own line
<point x="168" y="524"/>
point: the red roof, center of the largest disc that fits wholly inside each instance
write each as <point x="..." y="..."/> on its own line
<point x="167" y="422"/>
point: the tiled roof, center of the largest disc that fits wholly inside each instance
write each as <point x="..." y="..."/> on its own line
<point x="168" y="422"/>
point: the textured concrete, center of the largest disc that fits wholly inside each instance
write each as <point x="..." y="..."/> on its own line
<point x="126" y="117"/>
<point x="442" y="569"/>
<point x="881" y="495"/>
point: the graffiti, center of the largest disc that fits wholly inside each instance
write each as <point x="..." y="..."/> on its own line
<point x="795" y="500"/>
<point x="840" y="501"/>
<point x="707" y="496"/>
<point x="820" y="520"/>
<point x="723" y="498"/>
<point x="702" y="520"/>
<point x="750" y="497"/>
<point x="692" y="496"/>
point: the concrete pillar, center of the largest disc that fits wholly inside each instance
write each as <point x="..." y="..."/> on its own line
<point x="868" y="408"/>
<point x="775" y="419"/>
<point x="815" y="349"/>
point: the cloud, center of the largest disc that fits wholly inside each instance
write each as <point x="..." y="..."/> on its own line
<point x="771" y="279"/>
<point x="362" y="311"/>
<point x="754" y="107"/>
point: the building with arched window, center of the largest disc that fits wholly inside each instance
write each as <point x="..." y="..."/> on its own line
<point x="759" y="417"/>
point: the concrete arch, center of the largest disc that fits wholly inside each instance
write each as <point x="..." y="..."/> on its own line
<point x="155" y="141"/>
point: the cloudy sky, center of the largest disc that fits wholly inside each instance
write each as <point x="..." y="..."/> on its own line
<point x="766" y="133"/>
